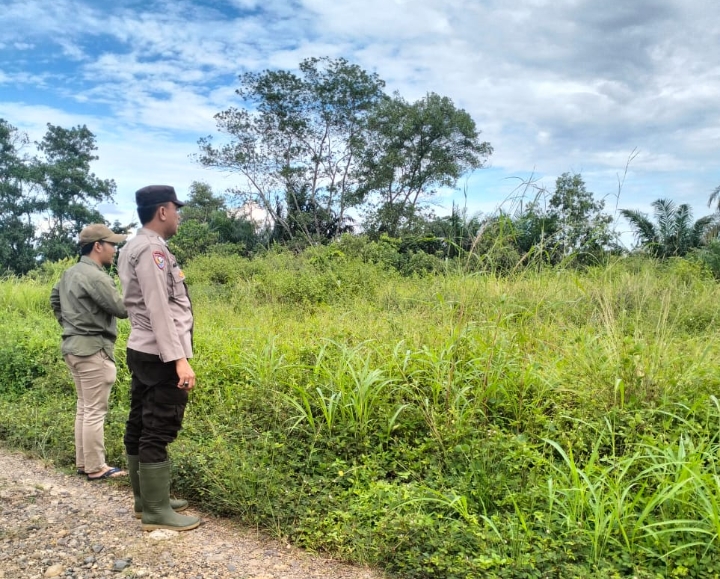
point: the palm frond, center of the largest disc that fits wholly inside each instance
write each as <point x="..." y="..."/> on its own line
<point x="645" y="231"/>
<point x="665" y="216"/>
<point x="715" y="197"/>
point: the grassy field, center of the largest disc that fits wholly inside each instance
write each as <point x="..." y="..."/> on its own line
<point x="551" y="424"/>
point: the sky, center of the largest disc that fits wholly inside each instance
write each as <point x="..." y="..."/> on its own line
<point x="624" y="92"/>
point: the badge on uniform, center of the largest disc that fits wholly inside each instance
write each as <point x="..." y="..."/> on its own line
<point x="180" y="273"/>
<point x="159" y="259"/>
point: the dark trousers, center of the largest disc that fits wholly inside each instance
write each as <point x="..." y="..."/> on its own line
<point x="157" y="407"/>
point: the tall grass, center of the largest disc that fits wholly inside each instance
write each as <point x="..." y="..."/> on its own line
<point x="457" y="425"/>
<point x="24" y="296"/>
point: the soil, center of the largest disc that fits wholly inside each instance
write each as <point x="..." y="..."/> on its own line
<point x="54" y="524"/>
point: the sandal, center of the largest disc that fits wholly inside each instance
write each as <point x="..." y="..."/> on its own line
<point x="110" y="473"/>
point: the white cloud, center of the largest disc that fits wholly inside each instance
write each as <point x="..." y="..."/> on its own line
<point x="33" y="119"/>
<point x="22" y="78"/>
<point x="562" y="85"/>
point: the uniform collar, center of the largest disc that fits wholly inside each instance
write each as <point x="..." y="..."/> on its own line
<point x="85" y="259"/>
<point x="150" y="233"/>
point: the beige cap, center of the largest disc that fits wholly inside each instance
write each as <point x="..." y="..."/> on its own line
<point x="99" y="232"/>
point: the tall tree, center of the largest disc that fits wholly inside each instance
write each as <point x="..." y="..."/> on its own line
<point x="412" y="149"/>
<point x="581" y="224"/>
<point x="71" y="191"/>
<point x="294" y="142"/>
<point x="17" y="203"/>
<point x="673" y="234"/>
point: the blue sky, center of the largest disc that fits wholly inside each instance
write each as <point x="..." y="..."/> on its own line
<point x="554" y="85"/>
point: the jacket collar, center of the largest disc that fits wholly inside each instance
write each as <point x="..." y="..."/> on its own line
<point x="85" y="259"/>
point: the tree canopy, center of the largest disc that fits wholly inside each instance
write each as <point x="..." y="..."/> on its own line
<point x="293" y="143"/>
<point x="411" y="150"/>
<point x="311" y="147"/>
<point x="580" y="224"/>
<point x="46" y="198"/>
<point x="70" y="191"/>
<point x="17" y="202"/>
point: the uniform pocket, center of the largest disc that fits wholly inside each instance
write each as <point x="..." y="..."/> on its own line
<point x="170" y="395"/>
<point x="168" y="411"/>
<point x="176" y="281"/>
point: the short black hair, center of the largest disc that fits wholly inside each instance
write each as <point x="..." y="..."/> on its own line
<point x="147" y="212"/>
<point x="87" y="248"/>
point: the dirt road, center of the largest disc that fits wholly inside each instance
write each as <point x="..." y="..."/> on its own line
<point x="60" y="525"/>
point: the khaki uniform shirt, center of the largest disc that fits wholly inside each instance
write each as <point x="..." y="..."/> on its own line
<point x="86" y="302"/>
<point x="156" y="297"/>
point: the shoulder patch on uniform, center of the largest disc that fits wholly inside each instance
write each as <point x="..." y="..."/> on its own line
<point x="159" y="259"/>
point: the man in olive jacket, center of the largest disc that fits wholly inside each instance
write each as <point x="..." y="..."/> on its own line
<point x="86" y="303"/>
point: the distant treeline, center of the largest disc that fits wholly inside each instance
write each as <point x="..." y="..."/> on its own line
<point x="323" y="153"/>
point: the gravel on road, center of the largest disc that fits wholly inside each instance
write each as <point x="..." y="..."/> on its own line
<point x="54" y="524"/>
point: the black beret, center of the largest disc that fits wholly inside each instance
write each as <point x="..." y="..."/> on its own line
<point x="155" y="195"/>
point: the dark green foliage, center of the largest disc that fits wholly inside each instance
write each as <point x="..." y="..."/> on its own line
<point x="495" y="247"/>
<point x="70" y="191"/>
<point x="292" y="144"/>
<point x="673" y="234"/>
<point x="56" y="188"/>
<point x="709" y="255"/>
<point x="208" y="226"/>
<point x="535" y="231"/>
<point x="17" y="206"/>
<point x="305" y="221"/>
<point x="410" y="256"/>
<point x="457" y="231"/>
<point x="18" y="367"/>
<point x="582" y="229"/>
<point x="411" y="150"/>
<point x="321" y="275"/>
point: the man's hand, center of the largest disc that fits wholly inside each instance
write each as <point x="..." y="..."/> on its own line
<point x="185" y="373"/>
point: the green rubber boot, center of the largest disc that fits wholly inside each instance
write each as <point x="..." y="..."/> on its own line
<point x="155" y="492"/>
<point x="133" y="461"/>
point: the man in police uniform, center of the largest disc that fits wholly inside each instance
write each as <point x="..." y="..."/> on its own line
<point x="86" y="304"/>
<point x="158" y="349"/>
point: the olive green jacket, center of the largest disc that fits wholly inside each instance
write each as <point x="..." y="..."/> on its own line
<point x="86" y="302"/>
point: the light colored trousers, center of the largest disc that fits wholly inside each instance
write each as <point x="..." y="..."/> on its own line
<point x="94" y="376"/>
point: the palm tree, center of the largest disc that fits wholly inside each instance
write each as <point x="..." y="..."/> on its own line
<point x="673" y="234"/>
<point x="715" y="197"/>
